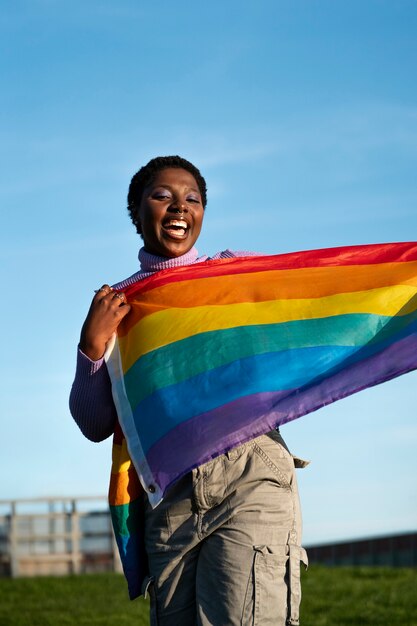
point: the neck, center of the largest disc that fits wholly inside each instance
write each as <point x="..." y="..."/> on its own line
<point x="154" y="263"/>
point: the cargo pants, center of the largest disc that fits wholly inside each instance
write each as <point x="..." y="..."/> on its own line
<point x="224" y="547"/>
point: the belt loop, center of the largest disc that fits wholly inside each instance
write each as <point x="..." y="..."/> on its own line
<point x="297" y="556"/>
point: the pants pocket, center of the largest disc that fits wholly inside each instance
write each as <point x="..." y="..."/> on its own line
<point x="148" y="588"/>
<point x="276" y="458"/>
<point x="270" y="585"/>
<point x="275" y="594"/>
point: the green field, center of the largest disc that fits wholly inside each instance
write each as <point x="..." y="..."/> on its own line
<point x="331" y="596"/>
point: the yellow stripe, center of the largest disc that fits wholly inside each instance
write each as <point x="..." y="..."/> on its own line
<point x="167" y="326"/>
<point x="120" y="458"/>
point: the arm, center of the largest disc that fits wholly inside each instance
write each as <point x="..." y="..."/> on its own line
<point x="91" y="402"/>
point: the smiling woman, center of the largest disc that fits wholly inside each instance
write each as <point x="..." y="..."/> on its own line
<point x="223" y="546"/>
<point x="170" y="213"/>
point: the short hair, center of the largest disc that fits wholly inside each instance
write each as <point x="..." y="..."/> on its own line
<point x="147" y="174"/>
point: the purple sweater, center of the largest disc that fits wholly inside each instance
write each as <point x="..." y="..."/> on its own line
<point x="91" y="401"/>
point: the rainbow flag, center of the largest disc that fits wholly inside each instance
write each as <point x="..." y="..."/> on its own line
<point x="126" y="500"/>
<point x="216" y="353"/>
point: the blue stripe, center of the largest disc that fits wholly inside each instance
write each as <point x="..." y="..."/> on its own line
<point x="289" y="369"/>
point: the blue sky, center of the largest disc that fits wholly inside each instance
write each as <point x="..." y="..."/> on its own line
<point x="302" y="116"/>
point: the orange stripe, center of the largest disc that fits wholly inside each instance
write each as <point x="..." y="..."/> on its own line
<point x="124" y="487"/>
<point x="305" y="283"/>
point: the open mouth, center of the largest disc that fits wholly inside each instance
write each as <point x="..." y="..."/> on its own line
<point x="176" y="228"/>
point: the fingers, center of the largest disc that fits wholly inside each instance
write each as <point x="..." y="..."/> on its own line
<point x="123" y="310"/>
<point x="123" y="307"/>
<point x="114" y="300"/>
<point x="108" y="294"/>
<point x="105" y="288"/>
<point x="101" y="293"/>
<point x="119" y="304"/>
<point x="119" y="295"/>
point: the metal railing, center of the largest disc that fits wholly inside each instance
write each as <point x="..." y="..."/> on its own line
<point x="56" y="536"/>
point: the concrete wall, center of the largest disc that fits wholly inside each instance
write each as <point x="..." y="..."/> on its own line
<point x="394" y="551"/>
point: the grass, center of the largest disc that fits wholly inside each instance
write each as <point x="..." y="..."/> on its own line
<point x="96" y="599"/>
<point x="358" y="596"/>
<point x="331" y="596"/>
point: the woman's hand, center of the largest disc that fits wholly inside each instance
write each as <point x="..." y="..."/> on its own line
<point x="107" y="310"/>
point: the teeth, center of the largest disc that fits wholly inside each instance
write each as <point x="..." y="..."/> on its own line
<point x="180" y="226"/>
<point x="179" y="223"/>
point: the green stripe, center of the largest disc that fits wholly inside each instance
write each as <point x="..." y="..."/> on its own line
<point x="188" y="357"/>
<point x="126" y="517"/>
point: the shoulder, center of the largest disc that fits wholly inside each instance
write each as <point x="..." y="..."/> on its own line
<point x="233" y="254"/>
<point x="130" y="280"/>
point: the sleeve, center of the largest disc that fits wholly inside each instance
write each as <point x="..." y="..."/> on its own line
<point x="91" y="402"/>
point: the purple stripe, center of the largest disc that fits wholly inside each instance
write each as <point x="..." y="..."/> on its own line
<point x="242" y="420"/>
<point x="230" y="425"/>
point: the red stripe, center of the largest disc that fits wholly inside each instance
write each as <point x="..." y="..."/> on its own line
<point x="326" y="257"/>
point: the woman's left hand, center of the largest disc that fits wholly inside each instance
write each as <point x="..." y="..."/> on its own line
<point x="107" y="310"/>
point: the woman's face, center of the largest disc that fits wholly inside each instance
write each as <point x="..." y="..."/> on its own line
<point x="171" y="213"/>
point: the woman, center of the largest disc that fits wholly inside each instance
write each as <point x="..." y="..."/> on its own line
<point x="224" y="545"/>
